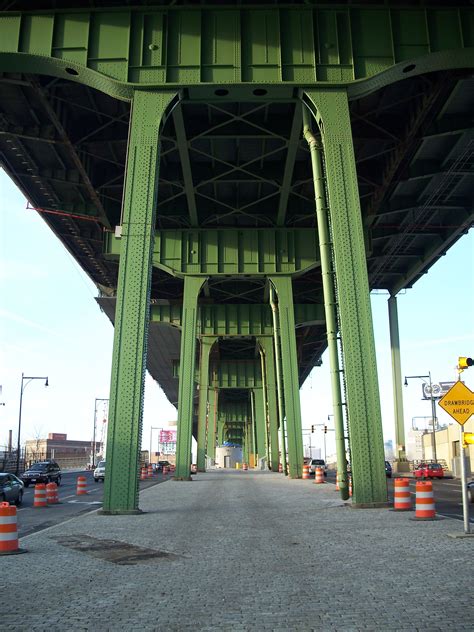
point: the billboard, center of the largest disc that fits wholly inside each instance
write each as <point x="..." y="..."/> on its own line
<point x="168" y="436"/>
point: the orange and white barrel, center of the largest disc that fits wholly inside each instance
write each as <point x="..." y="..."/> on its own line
<point x="81" y="487"/>
<point x="280" y="468"/>
<point x="194" y="468"/>
<point x="319" y="476"/>
<point x="337" y="481"/>
<point x="350" y="486"/>
<point x="39" y="499"/>
<point x="8" y="529"/>
<point x="424" y="502"/>
<point x="306" y="474"/>
<point x="172" y="468"/>
<point x="245" y="466"/>
<point x="401" y="494"/>
<point x="150" y="471"/>
<point x="165" y="469"/>
<point x="52" y="494"/>
<point x="143" y="474"/>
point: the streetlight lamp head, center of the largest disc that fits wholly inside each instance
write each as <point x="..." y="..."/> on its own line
<point x="406" y="382"/>
<point x="46" y="383"/>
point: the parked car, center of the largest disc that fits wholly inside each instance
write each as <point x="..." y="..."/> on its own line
<point x="99" y="472"/>
<point x="470" y="491"/>
<point x="429" y="470"/>
<point x="318" y="463"/>
<point x="42" y="472"/>
<point x="11" y="489"/>
<point x="388" y="469"/>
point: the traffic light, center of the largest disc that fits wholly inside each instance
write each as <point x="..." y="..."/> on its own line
<point x="325" y="429"/>
<point x="312" y="428"/>
<point x="465" y="363"/>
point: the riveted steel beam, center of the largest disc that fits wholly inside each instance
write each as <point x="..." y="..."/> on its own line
<point x="236" y="320"/>
<point x="228" y="251"/>
<point x="185" y="164"/>
<point x="355" y="315"/>
<point x="115" y="49"/>
<point x="192" y="287"/>
<point x="290" y="381"/>
<point x="205" y="350"/>
<point x="270" y="395"/>
<point x="133" y="296"/>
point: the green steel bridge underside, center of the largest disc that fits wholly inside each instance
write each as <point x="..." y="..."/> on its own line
<point x="236" y="178"/>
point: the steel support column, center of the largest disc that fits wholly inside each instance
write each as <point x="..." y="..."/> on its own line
<point x="269" y="386"/>
<point x="363" y="404"/>
<point x="330" y="306"/>
<point x="396" y="379"/>
<point x="212" y="422"/>
<point x="206" y="345"/>
<point x="291" y="386"/>
<point x="192" y="287"/>
<point x="279" y="383"/>
<point x="133" y="304"/>
<point x="259" y="421"/>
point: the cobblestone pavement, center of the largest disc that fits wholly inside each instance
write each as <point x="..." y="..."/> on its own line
<point x="248" y="551"/>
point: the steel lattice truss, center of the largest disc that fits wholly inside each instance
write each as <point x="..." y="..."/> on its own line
<point x="243" y="164"/>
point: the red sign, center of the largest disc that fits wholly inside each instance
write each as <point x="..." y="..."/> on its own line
<point x="167" y="436"/>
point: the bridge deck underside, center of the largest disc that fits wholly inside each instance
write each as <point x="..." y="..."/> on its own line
<point x="242" y="165"/>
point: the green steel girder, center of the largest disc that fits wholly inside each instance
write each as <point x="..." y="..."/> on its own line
<point x="213" y="395"/>
<point x="239" y="374"/>
<point x="117" y="48"/>
<point x="331" y="110"/>
<point x="244" y="319"/>
<point x="229" y="251"/>
<point x="270" y="399"/>
<point x="289" y="364"/>
<point x="133" y="296"/>
<point x="203" y="412"/>
<point x="259" y="424"/>
<point x="192" y="287"/>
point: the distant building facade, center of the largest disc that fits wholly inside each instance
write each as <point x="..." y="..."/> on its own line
<point x="58" y="448"/>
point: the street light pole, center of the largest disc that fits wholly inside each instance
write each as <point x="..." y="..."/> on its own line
<point x="23" y="378"/>
<point x="433" y="407"/>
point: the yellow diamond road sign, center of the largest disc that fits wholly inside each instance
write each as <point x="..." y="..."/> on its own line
<point x="458" y="402"/>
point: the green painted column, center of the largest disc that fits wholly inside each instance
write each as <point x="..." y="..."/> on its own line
<point x="192" y="287"/>
<point x="212" y="422"/>
<point x="330" y="304"/>
<point x="133" y="303"/>
<point x="355" y="316"/>
<point x="279" y="380"/>
<point x="397" y="380"/>
<point x="259" y="420"/>
<point x="289" y="361"/>
<point x="206" y="345"/>
<point x="269" y="398"/>
<point x="268" y="371"/>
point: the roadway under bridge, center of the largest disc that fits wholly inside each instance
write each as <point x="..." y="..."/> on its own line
<point x="236" y="178"/>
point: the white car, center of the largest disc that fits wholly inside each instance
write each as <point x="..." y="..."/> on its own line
<point x="99" y="472"/>
<point x="314" y="463"/>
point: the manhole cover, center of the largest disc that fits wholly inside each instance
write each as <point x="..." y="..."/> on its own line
<point x="113" y="550"/>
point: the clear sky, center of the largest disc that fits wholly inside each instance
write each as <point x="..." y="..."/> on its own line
<point x="50" y="325"/>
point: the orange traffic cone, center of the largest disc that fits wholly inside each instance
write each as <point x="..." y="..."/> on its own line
<point x="81" y="487"/>
<point x="39" y="499"/>
<point x="52" y="494"/>
<point x="8" y="530"/>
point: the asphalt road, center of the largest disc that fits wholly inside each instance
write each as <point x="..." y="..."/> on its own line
<point x="31" y="519"/>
